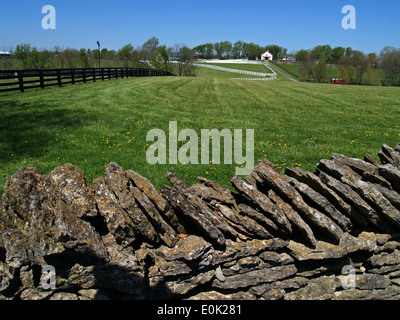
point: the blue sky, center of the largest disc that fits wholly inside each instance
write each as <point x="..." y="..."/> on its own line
<point x="294" y="24"/>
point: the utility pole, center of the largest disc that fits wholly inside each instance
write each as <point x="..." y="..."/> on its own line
<point x="98" y="44"/>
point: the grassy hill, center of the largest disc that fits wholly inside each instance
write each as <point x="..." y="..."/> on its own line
<point x="90" y="125"/>
<point x="332" y="71"/>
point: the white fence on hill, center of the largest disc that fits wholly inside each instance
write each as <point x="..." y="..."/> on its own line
<point x="267" y="76"/>
<point x="231" y="61"/>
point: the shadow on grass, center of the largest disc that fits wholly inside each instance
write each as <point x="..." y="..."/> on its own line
<point x="30" y="129"/>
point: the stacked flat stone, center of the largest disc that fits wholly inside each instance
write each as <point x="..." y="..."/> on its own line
<point x="277" y="236"/>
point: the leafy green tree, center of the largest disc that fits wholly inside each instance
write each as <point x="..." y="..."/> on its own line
<point x="303" y="72"/>
<point x="302" y="55"/>
<point x="6" y="62"/>
<point x="164" y="56"/>
<point x="39" y="59"/>
<point x="252" y="51"/>
<point x="71" y="57"/>
<point x="188" y="59"/>
<point x="336" y="54"/>
<point x="108" y="57"/>
<point x="184" y="57"/>
<point x="351" y="71"/>
<point x="321" y="52"/>
<point x="319" y="71"/>
<point x="359" y="62"/>
<point x="343" y="74"/>
<point x="219" y="49"/>
<point x="209" y="50"/>
<point x="201" y="50"/>
<point x="390" y="62"/>
<point x="22" y="52"/>
<point x="306" y="63"/>
<point x="58" y="55"/>
<point x="149" y="48"/>
<point x="237" y="49"/>
<point x="348" y="52"/>
<point x="126" y="54"/>
<point x="83" y="58"/>
<point x="227" y="48"/>
<point x="96" y="54"/>
<point x="372" y="60"/>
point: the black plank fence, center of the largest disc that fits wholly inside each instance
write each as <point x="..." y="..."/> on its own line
<point x="29" y="79"/>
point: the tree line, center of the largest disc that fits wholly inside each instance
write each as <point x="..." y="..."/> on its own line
<point x="314" y="64"/>
<point x="354" y="66"/>
<point x="149" y="54"/>
<point x="238" y="50"/>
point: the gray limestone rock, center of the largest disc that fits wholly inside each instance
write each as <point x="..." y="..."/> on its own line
<point x="358" y="165"/>
<point x="360" y="206"/>
<point x="324" y="250"/>
<point x="39" y="223"/>
<point x="370" y="159"/>
<point x="262" y="201"/>
<point x="322" y="203"/>
<point x="382" y="205"/>
<point x="283" y="188"/>
<point x="189" y="194"/>
<point x="391" y="174"/>
<point x="194" y="215"/>
<point x="389" y="155"/>
<point x="294" y="218"/>
<point x="155" y="196"/>
<point x="257" y="216"/>
<point x="256" y="277"/>
<point x="250" y="226"/>
<point x="313" y="181"/>
<point x="118" y="185"/>
<point x="322" y="288"/>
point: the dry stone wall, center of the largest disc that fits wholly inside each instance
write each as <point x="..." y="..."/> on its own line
<point x="331" y="234"/>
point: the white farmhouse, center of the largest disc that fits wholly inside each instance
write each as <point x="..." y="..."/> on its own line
<point x="267" y="56"/>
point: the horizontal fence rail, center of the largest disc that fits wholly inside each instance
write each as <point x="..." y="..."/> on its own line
<point x="237" y="61"/>
<point x="267" y="76"/>
<point x="29" y="79"/>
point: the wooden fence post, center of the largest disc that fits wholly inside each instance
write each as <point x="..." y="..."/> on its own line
<point x="109" y="73"/>
<point x="21" y="80"/>
<point x="94" y="74"/>
<point x="73" y="75"/>
<point x="41" y="79"/>
<point x="84" y="75"/>
<point x="116" y="73"/>
<point x="59" y="77"/>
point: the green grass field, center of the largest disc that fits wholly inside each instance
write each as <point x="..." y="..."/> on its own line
<point x="294" y="68"/>
<point x="92" y="124"/>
